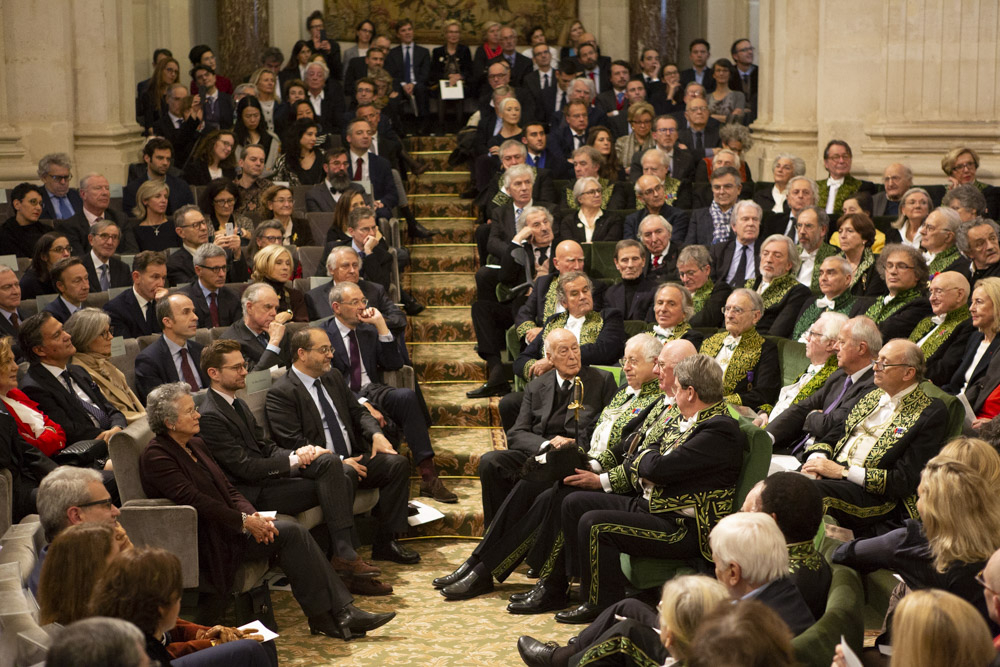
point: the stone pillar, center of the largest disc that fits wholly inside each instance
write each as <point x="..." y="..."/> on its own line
<point x="653" y="25"/>
<point x="243" y="36"/>
<point x="609" y="22"/>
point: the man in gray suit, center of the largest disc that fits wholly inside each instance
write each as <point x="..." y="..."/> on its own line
<point x="325" y="194"/>
<point x="897" y="178"/>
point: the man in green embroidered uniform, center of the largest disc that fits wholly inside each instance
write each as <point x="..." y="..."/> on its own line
<point x="694" y="268"/>
<point x="905" y="273"/>
<point x="681" y="496"/>
<point x="942" y="337"/>
<point x="938" y="237"/>
<point x="782" y="293"/>
<point x="811" y="227"/>
<point x="869" y="478"/>
<point x="835" y="275"/>
<point x="840" y="186"/>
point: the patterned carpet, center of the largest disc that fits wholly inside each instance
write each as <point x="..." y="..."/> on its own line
<point x="428" y="630"/>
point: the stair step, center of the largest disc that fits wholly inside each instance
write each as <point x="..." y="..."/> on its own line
<point x="447" y="229"/>
<point x="436" y="160"/>
<point x="463" y="518"/>
<point x="457" y="450"/>
<point x="452" y="257"/>
<point x="449" y="406"/>
<point x="441" y="206"/>
<point x="441" y="323"/>
<point x="447" y="362"/>
<point x="442" y="289"/>
<point x="438" y="182"/>
<point x="445" y="143"/>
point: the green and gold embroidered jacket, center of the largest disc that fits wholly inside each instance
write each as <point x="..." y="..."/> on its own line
<point x="811" y="574"/>
<point x="842" y="304"/>
<point x="880" y="311"/>
<point x="818" y="380"/>
<point x="593" y="325"/>
<point x="943" y="333"/>
<point x="676" y="334"/>
<point x="501" y="197"/>
<point x="658" y="416"/>
<point x="753" y="377"/>
<point x="700" y="297"/>
<point x="943" y="260"/>
<point x="825" y="250"/>
<point x="648" y="394"/>
<point x="915" y="433"/>
<point x="850" y="186"/>
<point x="694" y="469"/>
<point x="863" y="274"/>
<point x="551" y="300"/>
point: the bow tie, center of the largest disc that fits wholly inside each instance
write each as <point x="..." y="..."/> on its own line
<point x="685" y="424"/>
<point x="929" y="256"/>
<point x="660" y="331"/>
<point x="938" y="319"/>
<point x="834" y="181"/>
<point x="730" y="342"/>
<point x="824" y="303"/>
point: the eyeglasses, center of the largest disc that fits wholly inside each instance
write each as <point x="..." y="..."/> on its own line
<point x="938" y="291"/>
<point x="890" y="266"/>
<point x="107" y="501"/>
<point x="236" y="367"/>
<point x="981" y="580"/>
<point x="652" y="191"/>
<point x="641" y="122"/>
<point x="216" y="269"/>
<point x="840" y="157"/>
<point x="225" y="202"/>
<point x="735" y="310"/>
<point x="666" y="130"/>
<point x="196" y="225"/>
<point x="629" y="361"/>
<point x="357" y="302"/>
<point x="61" y="249"/>
<point x="107" y="334"/>
<point x="719" y="187"/>
<point x="326" y="349"/>
<point x="809" y="335"/>
<point x="271" y="239"/>
<point x="65" y="179"/>
<point x="881" y="365"/>
<point x="104" y="236"/>
<point x="964" y="166"/>
<point x="590" y="193"/>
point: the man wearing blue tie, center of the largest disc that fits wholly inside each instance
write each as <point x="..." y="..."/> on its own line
<point x="410" y="67"/>
<point x="60" y="200"/>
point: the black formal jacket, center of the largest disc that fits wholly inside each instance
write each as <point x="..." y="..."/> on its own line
<point x="901" y="323"/>
<point x="779" y="319"/>
<point x="55" y="400"/>
<point x="642" y="300"/>
<point x="722" y="258"/>
<point x="48" y="209"/>
<point x="180" y="192"/>
<point x="700" y="229"/>
<point x="376" y="266"/>
<point x="180" y="268"/>
<point x="667" y="270"/>
<point x="376" y="356"/>
<point x="709" y="136"/>
<point x="682" y="166"/>
<point x="155" y="366"/>
<point x="120" y="274"/>
<point x="77" y="229"/>
<point x="20" y="241"/>
<point x="7" y="329"/>
<point x="502" y="230"/>
<point x="542" y="192"/>
<point x="440" y="54"/>
<point x="256" y="353"/>
<point x="538" y="404"/>
<point x="295" y="421"/>
<point x="608" y="227"/>
<point x="533" y="309"/>
<point x="421" y="65"/>
<point x="182" y="138"/>
<point x="27" y="465"/>
<point x="318" y="303"/>
<point x="785" y="599"/>
<point x="941" y="365"/>
<point x="127" y="319"/>
<point x="976" y="382"/>
<point x="808" y="416"/>
<point x="196" y="173"/>
<point x="605" y="350"/>
<point x="677" y="217"/>
<point x="58" y="309"/>
<point x="228" y="302"/>
<point x="708" y="81"/>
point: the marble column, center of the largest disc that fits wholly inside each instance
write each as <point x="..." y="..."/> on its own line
<point x="653" y="25"/>
<point x="243" y="36"/>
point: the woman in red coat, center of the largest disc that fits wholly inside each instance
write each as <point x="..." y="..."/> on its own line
<point x="32" y="424"/>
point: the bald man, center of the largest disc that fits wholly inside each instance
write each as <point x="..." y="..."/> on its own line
<point x="942" y="337"/>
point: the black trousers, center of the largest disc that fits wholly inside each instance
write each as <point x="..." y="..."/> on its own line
<point x="320" y="483"/>
<point x="499" y="472"/>
<point x="608" y="641"/>
<point x="390" y="474"/>
<point x="510" y="407"/>
<point x="406" y="408"/>
<point x="607" y="526"/>
<point x="512" y="530"/>
<point x="858" y="510"/>
<point x="490" y="320"/>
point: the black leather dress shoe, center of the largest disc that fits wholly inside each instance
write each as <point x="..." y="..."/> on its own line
<point x="360" y="621"/>
<point x="396" y="552"/>
<point x="585" y="613"/>
<point x="486" y="390"/>
<point x="335" y="627"/>
<point x="471" y="585"/>
<point x="540" y="601"/>
<point x="534" y="590"/>
<point x="417" y="231"/>
<point x="410" y="305"/>
<point x="450" y="579"/>
<point x="532" y="573"/>
<point x="535" y="653"/>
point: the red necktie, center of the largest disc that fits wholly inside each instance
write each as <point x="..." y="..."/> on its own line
<point x="656" y="261"/>
<point x="357" y="169"/>
<point x="186" y="370"/>
<point x="213" y="309"/>
<point x="591" y="75"/>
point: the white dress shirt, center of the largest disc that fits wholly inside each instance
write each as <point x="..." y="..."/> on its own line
<point x="808" y="259"/>
<point x="574" y="325"/>
<point x="834" y="184"/>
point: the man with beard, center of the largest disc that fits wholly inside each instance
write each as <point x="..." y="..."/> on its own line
<point x="325" y="194"/>
<point x="250" y="184"/>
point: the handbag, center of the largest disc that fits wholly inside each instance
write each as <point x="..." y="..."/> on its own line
<point x="253" y="605"/>
<point x="558" y="464"/>
<point x="83" y="454"/>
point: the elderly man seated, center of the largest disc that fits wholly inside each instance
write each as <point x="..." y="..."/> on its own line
<point x="751" y="375"/>
<point x="633" y="296"/>
<point x="651" y="192"/>
<point x="671" y="309"/>
<point x="514" y="523"/>
<point x="656" y="235"/>
<point x="601" y="334"/>
<point x="783" y="295"/>
<point x="938" y="237"/>
<point x="821" y="343"/>
<point x="978" y="240"/>
<point x="905" y="273"/>
<point x="177" y="465"/>
<point x="805" y="421"/>
<point x="812" y="226"/>
<point x="835" y="276"/>
<point x="869" y="477"/>
<point x="694" y="268"/>
<point x="943" y="336"/>
<point x="676" y="192"/>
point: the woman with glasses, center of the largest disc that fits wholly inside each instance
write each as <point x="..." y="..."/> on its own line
<point x="724" y="104"/>
<point x="90" y="329"/>
<point x="273" y="265"/>
<point x="640" y="118"/>
<point x="591" y="222"/>
<point x="961" y="165"/>
<point x="49" y="250"/>
<point x="957" y="531"/>
<point x="914" y="208"/>
<point x="34" y="427"/>
<point x="218" y="202"/>
<point x="153" y="231"/>
<point x="900" y="304"/>
<point x="212" y="158"/>
<point x="280" y="201"/>
<point x="364" y="34"/>
<point x="151" y="105"/>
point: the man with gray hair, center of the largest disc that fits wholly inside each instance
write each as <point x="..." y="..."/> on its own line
<point x="978" y="240"/>
<point x="104" y="270"/>
<point x="681" y="162"/>
<point x="736" y="260"/>
<point x="95" y="193"/>
<point x="801" y="192"/>
<point x="650" y="191"/>
<point x="343" y="265"/>
<point x="869" y="476"/>
<point x="782" y="293"/>
<point x="835" y="275"/>
<point x="811" y="226"/>
<point x="60" y="201"/>
<point x="656" y="233"/>
<point x="214" y="303"/>
<point x="712" y="225"/>
<point x="823" y="412"/>
<point x="260" y="332"/>
<point x="191" y="226"/>
<point x="943" y="336"/>
<point x="897" y="179"/>
<point x="507" y="219"/>
<point x="98" y="641"/>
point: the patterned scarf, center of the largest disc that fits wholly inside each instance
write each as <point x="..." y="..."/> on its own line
<point x="721" y="231"/>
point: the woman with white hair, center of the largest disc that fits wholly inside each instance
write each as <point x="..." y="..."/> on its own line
<point x="784" y="167"/>
<point x="592" y="222"/>
<point x="509" y="113"/>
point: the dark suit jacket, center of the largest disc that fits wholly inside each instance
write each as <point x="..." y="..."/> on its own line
<point x="421" y="65"/>
<point x="533" y="309"/>
<point x="180" y="193"/>
<point x="295" y="421"/>
<point x="7" y="329"/>
<point x="722" y="258"/>
<point x="608" y="227"/>
<point x="376" y="266"/>
<point x="439" y="56"/>
<point x="642" y="300"/>
<point x="58" y="309"/>
<point x="902" y="322"/>
<point x="376" y="356"/>
<point x="180" y="268"/>
<point x="27" y="466"/>
<point x="533" y="83"/>
<point x="538" y="404"/>
<point x="155" y="366"/>
<point x="677" y="217"/>
<point x="332" y="107"/>
<point x="196" y="173"/>
<point x="551" y="162"/>
<point x="383" y="187"/>
<point x="357" y="69"/>
<point x="542" y="192"/>
<point x="607" y="101"/>
<point x="977" y="381"/>
<point x="807" y="417"/>
<point x="707" y="80"/>
<point x="711" y="314"/>
<point x="120" y="273"/>
<point x="257" y="354"/>
<point x="127" y="319"/>
<point x="227" y="108"/>
<point x="941" y="365"/>
<point x="785" y="599"/>
<point x="700" y="228"/>
<point x="667" y="270"/>
<point x="48" y="208"/>
<point x="55" y="400"/>
<point x="605" y="350"/>
<point x="182" y="138"/>
<point x="227" y="300"/>
<point x="318" y="304"/>
<point x="779" y="319"/>
<point x="318" y="198"/>
<point x="709" y="137"/>
<point x="77" y="229"/>
<point x="682" y="166"/>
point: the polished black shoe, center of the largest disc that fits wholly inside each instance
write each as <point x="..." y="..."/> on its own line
<point x="334" y="627"/>
<point x="360" y="621"/>
<point x="534" y="590"/>
<point x="486" y="390"/>
<point x="417" y="231"/>
<point x="534" y="653"/>
<point x="471" y="585"/>
<point x="396" y="552"/>
<point x="540" y="601"/>
<point x="532" y="573"/>
<point x="449" y="579"/>
<point x="411" y="306"/>
<point x="585" y="613"/>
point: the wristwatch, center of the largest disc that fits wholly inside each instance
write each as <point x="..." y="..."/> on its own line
<point x="847" y="470"/>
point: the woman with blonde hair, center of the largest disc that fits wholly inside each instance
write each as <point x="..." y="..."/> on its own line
<point x="73" y="561"/>
<point x="90" y="329"/>
<point x="154" y="230"/>
<point x="914" y="208"/>
<point x="569" y="38"/>
<point x="273" y="265"/>
<point x="684" y="603"/>
<point x="640" y="117"/>
<point x="958" y="531"/>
